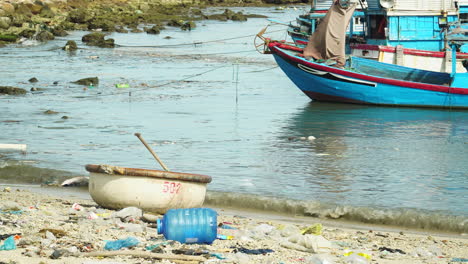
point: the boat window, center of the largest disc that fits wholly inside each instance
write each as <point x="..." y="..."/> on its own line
<point x="464" y="18"/>
<point x="378" y="25"/>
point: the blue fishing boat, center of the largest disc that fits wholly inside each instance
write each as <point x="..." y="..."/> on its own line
<point x="323" y="72"/>
<point x="410" y="33"/>
<point x="364" y="81"/>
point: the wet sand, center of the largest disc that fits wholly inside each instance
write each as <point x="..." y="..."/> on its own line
<point x="50" y="226"/>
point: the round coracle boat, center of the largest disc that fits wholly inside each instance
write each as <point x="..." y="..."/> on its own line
<point x="150" y="190"/>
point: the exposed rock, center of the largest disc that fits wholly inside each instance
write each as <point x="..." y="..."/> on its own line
<point x="23" y="10"/>
<point x="7" y="7"/>
<point x="50" y="112"/>
<point x="36" y="7"/>
<point x="44" y="36"/>
<point x="33" y="80"/>
<point x="18" y="20"/>
<point x="102" y="23"/>
<point x="47" y="12"/>
<point x="28" y="33"/>
<point x="121" y="30"/>
<point x="239" y="16"/>
<point x="88" y="81"/>
<point x="11" y="90"/>
<point x="80" y="16"/>
<point x="136" y="30"/>
<point x="196" y="12"/>
<point x="175" y="23"/>
<point x="153" y="30"/>
<point x="144" y="7"/>
<point x="188" y="25"/>
<point x="228" y="13"/>
<point x="70" y="46"/>
<point x="59" y="32"/>
<point x="5" y="22"/>
<point x="97" y="39"/>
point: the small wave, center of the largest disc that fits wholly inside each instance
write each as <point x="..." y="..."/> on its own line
<point x="19" y="172"/>
<point x="399" y="217"/>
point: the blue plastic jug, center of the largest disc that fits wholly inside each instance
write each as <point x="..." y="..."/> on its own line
<point x="193" y="225"/>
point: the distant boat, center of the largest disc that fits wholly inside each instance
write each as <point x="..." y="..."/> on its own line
<point x="323" y="72"/>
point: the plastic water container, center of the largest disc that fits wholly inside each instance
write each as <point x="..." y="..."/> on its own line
<point x="193" y="225"/>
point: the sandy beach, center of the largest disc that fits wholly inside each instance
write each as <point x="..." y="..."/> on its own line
<point x="53" y="229"/>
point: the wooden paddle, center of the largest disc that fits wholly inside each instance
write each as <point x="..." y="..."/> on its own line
<point x="138" y="135"/>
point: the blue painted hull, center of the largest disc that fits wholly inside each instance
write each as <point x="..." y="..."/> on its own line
<point x="325" y="83"/>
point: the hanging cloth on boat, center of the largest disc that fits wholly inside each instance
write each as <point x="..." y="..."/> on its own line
<point x="328" y="41"/>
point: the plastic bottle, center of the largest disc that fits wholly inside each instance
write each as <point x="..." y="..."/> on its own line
<point x="121" y="243"/>
<point x="193" y="225"/>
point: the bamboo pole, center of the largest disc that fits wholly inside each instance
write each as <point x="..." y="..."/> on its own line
<point x="143" y="254"/>
<point x="138" y="135"/>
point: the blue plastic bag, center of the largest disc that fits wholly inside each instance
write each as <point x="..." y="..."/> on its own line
<point x="121" y="243"/>
<point x="9" y="244"/>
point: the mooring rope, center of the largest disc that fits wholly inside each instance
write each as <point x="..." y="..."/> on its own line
<point x="192" y="43"/>
<point x="137" y="89"/>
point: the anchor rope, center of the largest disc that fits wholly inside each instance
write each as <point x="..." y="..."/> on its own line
<point x="192" y="43"/>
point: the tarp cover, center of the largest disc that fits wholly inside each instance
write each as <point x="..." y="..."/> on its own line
<point x="328" y="41"/>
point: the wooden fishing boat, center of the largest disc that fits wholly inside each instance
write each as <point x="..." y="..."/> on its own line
<point x="363" y="81"/>
<point x="324" y="73"/>
<point x="406" y="33"/>
<point x="150" y="190"/>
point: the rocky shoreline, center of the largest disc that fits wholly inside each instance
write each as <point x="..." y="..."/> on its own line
<point x="47" y="19"/>
<point x="51" y="229"/>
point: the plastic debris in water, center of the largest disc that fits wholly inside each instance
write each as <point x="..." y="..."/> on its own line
<point x="122" y="85"/>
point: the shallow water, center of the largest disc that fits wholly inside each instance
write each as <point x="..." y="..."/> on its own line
<point x="222" y="109"/>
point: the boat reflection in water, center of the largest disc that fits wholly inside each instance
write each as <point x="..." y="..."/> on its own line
<point x="393" y="166"/>
<point x="380" y="156"/>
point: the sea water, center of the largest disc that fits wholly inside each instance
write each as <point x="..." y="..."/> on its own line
<point x="207" y="102"/>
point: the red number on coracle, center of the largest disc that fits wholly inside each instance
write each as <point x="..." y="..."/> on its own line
<point x="165" y="187"/>
<point x="171" y="187"/>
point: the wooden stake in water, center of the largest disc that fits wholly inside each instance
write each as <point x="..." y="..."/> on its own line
<point x="235" y="77"/>
<point x="138" y="135"/>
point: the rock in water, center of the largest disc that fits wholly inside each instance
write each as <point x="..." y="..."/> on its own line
<point x="70" y="46"/>
<point x="88" y="81"/>
<point x="11" y="90"/>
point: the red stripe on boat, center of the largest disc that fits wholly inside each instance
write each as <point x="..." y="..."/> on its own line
<point x="415" y="52"/>
<point x="429" y="87"/>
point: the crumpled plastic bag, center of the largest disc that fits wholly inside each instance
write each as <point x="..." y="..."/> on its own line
<point x="307" y="243"/>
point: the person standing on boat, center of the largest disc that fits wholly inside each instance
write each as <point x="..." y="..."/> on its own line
<point x="328" y="41"/>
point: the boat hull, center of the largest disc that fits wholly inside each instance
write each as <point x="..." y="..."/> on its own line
<point x="145" y="191"/>
<point x="324" y="83"/>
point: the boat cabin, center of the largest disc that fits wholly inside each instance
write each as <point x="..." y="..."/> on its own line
<point x="415" y="24"/>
